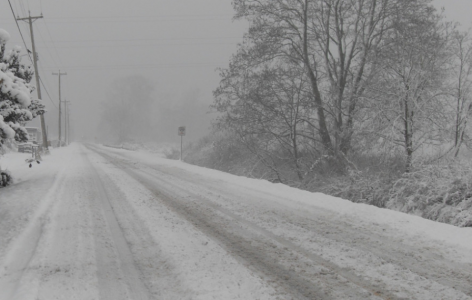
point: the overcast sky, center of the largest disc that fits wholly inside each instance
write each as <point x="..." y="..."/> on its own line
<point x="177" y="44"/>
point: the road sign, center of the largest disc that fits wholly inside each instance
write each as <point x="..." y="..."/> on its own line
<point x="182" y="134"/>
<point x="182" y="131"/>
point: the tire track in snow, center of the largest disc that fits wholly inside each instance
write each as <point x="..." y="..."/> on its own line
<point x="443" y="273"/>
<point x="112" y="249"/>
<point x="241" y="244"/>
<point x="43" y="262"/>
<point x="199" y="267"/>
<point x="158" y="274"/>
<point x="428" y="264"/>
<point x="241" y="238"/>
<point x="422" y="260"/>
<point x="19" y="255"/>
<point x="238" y="244"/>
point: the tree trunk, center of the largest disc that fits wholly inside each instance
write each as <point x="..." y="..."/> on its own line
<point x="323" y="128"/>
<point x="295" y="153"/>
<point x="408" y="135"/>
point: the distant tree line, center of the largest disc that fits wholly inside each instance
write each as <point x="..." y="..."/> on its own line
<point x="320" y="81"/>
<point x="134" y="111"/>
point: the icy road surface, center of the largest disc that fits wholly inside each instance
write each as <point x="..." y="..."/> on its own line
<point x="93" y="222"/>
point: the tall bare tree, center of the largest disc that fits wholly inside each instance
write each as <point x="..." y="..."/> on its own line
<point x="334" y="43"/>
<point x="409" y="95"/>
<point x="461" y="86"/>
<point x="269" y="112"/>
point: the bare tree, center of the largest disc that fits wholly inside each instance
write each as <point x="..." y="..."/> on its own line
<point x="408" y="100"/>
<point x="461" y="86"/>
<point x="269" y="112"/>
<point x="335" y="43"/>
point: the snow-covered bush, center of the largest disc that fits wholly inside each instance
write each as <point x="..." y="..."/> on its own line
<point x="16" y="105"/>
<point x="441" y="192"/>
<point x="222" y="152"/>
<point x="5" y="178"/>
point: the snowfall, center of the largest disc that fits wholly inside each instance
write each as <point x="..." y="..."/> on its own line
<point x="93" y="222"/>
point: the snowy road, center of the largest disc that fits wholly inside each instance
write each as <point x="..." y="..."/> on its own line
<point x="116" y="224"/>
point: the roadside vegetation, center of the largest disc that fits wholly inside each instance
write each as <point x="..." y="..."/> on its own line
<point x="17" y="107"/>
<point x="439" y="190"/>
<point x="367" y="100"/>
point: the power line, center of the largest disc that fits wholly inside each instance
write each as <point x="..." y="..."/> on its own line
<point x="140" y="17"/>
<point x="137" y="40"/>
<point x="50" y="36"/>
<point x="138" y="21"/>
<point x="21" y="34"/>
<point x="47" y="48"/>
<point x="22" y="7"/>
<point x="30" y="21"/>
<point x="147" y="66"/>
<point x="46" y="90"/>
<point x="16" y="5"/>
<point x="46" y="85"/>
<point x="138" y="45"/>
<point x="27" y="51"/>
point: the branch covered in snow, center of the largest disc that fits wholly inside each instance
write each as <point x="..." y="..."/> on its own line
<point x="16" y="105"/>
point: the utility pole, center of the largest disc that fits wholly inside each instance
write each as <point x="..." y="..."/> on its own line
<point x="66" y="113"/>
<point x="60" y="101"/>
<point x="66" y="122"/>
<point x="30" y="20"/>
<point x="69" y="132"/>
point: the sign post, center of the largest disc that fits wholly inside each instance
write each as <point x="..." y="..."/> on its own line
<point x="181" y="133"/>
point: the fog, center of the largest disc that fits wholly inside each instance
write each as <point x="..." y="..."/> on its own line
<point x="173" y="47"/>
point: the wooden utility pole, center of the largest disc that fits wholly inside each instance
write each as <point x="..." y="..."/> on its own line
<point x="30" y="20"/>
<point x="60" y="101"/>
<point x="66" y="122"/>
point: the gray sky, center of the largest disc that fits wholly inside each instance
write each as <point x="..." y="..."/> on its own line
<point x="177" y="44"/>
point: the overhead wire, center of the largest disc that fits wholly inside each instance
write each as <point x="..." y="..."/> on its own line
<point x="40" y="64"/>
<point x="47" y="48"/>
<point x="22" y="7"/>
<point x="140" y="17"/>
<point x="145" y="16"/>
<point x="156" y="39"/>
<point x="137" y="21"/>
<point x="147" y="66"/>
<point x="15" y="3"/>
<point x="138" y="45"/>
<point x="52" y="40"/>
<point x="47" y="85"/>
<point x="21" y="34"/>
<point x="27" y="51"/>
<point x="46" y="90"/>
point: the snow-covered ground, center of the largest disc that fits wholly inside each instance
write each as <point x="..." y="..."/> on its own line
<point x="92" y="222"/>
